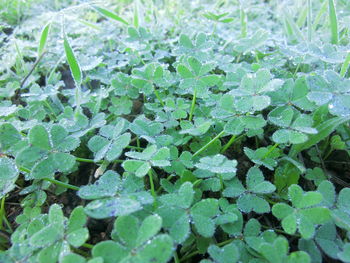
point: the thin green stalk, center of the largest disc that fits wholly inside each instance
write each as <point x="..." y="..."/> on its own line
<point x="233" y="139"/>
<point x="87" y="245"/>
<point x="319" y="15"/>
<point x="2" y="211"/>
<point x="270" y="150"/>
<point x="65" y="185"/>
<point x="345" y="66"/>
<point x="333" y="22"/>
<point x="228" y="144"/>
<point x="176" y="258"/>
<point x="309" y="20"/>
<point x="153" y="192"/>
<point x="158" y="96"/>
<point x="244" y="22"/>
<point x="194" y="253"/>
<point x="84" y="160"/>
<point x="193" y="104"/>
<point x="208" y="144"/>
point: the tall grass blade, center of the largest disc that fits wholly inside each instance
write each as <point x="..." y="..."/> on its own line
<point x="345" y="66"/>
<point x="43" y="39"/>
<point x="333" y="22"/>
<point x="72" y="61"/>
<point x="110" y="15"/>
<point x="309" y="20"/>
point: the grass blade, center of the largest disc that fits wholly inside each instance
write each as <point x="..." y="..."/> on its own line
<point x="345" y="66"/>
<point x="43" y="39"/>
<point x="324" y="130"/>
<point x="72" y="61"/>
<point x="309" y="20"/>
<point x="333" y="22"/>
<point x="110" y="15"/>
<point x="291" y="25"/>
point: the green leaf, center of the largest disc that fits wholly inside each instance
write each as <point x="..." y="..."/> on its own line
<point x="110" y="251"/>
<point x="202" y="214"/>
<point x="150" y="227"/>
<point x="345" y="254"/>
<point x="43" y="38"/>
<point x="8" y="175"/>
<point x="217" y="164"/>
<point x="78" y="237"/>
<point x="39" y="137"/>
<point x="226" y="254"/>
<point x="110" y="14"/>
<point x="324" y="129"/>
<point x="72" y="61"/>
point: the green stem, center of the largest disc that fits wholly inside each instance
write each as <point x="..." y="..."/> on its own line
<point x="153" y="192"/>
<point x="2" y="211"/>
<point x="87" y="245"/>
<point x="270" y="150"/>
<point x="208" y="144"/>
<point x="65" y="185"/>
<point x="158" y="96"/>
<point x="176" y="258"/>
<point x="193" y="104"/>
<point x="194" y="253"/>
<point x="84" y="160"/>
<point x="228" y="144"/>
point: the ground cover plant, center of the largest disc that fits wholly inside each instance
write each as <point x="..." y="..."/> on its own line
<point x="174" y="131"/>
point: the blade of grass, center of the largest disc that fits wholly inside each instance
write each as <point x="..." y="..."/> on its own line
<point x="43" y="39"/>
<point x="319" y="15"/>
<point x="110" y="15"/>
<point x="345" y="66"/>
<point x="309" y="20"/>
<point x="333" y="22"/>
<point x="293" y="27"/>
<point x="75" y="69"/>
<point x="244" y="22"/>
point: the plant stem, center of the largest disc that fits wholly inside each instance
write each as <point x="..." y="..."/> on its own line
<point x="194" y="253"/>
<point x="153" y="192"/>
<point x="65" y="185"/>
<point x="228" y="144"/>
<point x="158" y="97"/>
<point x="87" y="245"/>
<point x="270" y="150"/>
<point x="208" y="144"/>
<point x="84" y="160"/>
<point x="176" y="258"/>
<point x="2" y="211"/>
<point x="193" y="104"/>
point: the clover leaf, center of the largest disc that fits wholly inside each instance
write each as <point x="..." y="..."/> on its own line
<point x="136" y="242"/>
<point x="251" y="94"/>
<point x="195" y="77"/>
<point x="226" y="254"/>
<point x="48" y="237"/>
<point x="8" y="175"/>
<point x="48" y="151"/>
<point x="295" y="126"/>
<point x="263" y="156"/>
<point x="142" y="162"/>
<point x="110" y="142"/>
<point x="146" y="129"/>
<point x="249" y="199"/>
<point x="330" y="89"/>
<point x="113" y="196"/>
<point x="304" y="214"/>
